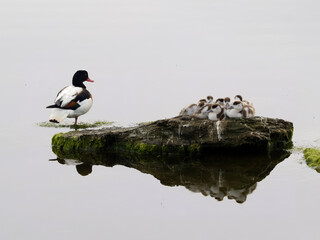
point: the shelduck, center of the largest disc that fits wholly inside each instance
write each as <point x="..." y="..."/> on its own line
<point x="72" y="101"/>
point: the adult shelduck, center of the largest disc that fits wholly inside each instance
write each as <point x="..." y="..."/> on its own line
<point x="72" y="101"/>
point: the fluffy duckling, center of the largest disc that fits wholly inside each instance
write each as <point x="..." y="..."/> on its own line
<point x="220" y="101"/>
<point x="203" y="111"/>
<point x="226" y="102"/>
<point x="240" y="110"/>
<point x="239" y="98"/>
<point x="210" y="99"/>
<point x="235" y="110"/>
<point x="249" y="111"/>
<point x="193" y="108"/>
<point x="217" y="112"/>
<point x="247" y="107"/>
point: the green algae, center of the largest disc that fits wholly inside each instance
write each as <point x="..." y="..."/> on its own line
<point x="145" y="149"/>
<point x="80" y="125"/>
<point x="64" y="143"/>
<point x="76" y="143"/>
<point x="312" y="156"/>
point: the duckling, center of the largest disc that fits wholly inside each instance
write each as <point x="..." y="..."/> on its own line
<point x="220" y="101"/>
<point x="226" y="102"/>
<point x="240" y="110"/>
<point x="239" y="98"/>
<point x="210" y="99"/>
<point x="203" y="111"/>
<point x="217" y="112"/>
<point x="193" y="108"/>
<point x="235" y="110"/>
<point x="249" y="111"/>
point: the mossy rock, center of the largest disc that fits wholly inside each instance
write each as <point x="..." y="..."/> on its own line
<point x="182" y="136"/>
<point x="312" y="157"/>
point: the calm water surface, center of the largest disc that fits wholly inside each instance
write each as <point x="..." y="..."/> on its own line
<point x="148" y="60"/>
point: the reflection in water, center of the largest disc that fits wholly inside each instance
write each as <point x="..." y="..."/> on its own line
<point x="82" y="168"/>
<point x="218" y="176"/>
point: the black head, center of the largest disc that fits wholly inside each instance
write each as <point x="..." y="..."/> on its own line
<point x="226" y="99"/>
<point x="79" y="77"/>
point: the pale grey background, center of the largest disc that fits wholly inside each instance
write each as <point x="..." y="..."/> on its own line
<point x="149" y="59"/>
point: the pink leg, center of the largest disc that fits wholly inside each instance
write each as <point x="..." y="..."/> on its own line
<point x="75" y="120"/>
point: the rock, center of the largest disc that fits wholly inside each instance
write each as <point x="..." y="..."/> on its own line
<point x="181" y="136"/>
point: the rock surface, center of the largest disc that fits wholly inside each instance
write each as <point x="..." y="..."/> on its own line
<point x="181" y="136"/>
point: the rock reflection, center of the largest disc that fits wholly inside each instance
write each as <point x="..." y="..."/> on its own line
<point x="218" y="176"/>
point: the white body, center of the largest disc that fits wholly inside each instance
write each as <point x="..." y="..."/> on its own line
<point x="203" y="112"/>
<point x="189" y="111"/>
<point x="64" y="97"/>
<point x="250" y="111"/>
<point x="214" y="112"/>
<point x="67" y="94"/>
<point x="85" y="106"/>
<point x="241" y="110"/>
<point x="235" y="111"/>
<point x="212" y="116"/>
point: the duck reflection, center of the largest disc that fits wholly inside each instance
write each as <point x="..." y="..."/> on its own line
<point x="82" y="168"/>
<point x="218" y="176"/>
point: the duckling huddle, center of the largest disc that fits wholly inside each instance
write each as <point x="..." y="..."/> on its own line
<point x="221" y="109"/>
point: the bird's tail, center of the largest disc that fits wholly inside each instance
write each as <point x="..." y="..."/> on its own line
<point x="58" y="115"/>
<point x="52" y="106"/>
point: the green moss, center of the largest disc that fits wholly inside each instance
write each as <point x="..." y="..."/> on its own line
<point x="312" y="157"/>
<point x="143" y="148"/>
<point x="61" y="142"/>
<point x="80" y="125"/>
<point x="64" y="143"/>
<point x="57" y="140"/>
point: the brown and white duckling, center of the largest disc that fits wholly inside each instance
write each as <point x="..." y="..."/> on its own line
<point x="240" y="110"/>
<point x="235" y="110"/>
<point x="226" y="102"/>
<point x="247" y="107"/>
<point x="193" y="108"/>
<point x="217" y="112"/>
<point x="220" y="101"/>
<point x="203" y="111"/>
<point x="209" y="99"/>
<point x="249" y="111"/>
<point x="239" y="98"/>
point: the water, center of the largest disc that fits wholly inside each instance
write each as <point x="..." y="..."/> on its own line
<point x="149" y="59"/>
